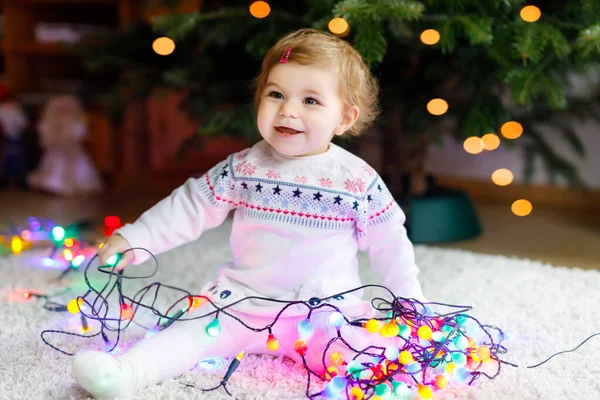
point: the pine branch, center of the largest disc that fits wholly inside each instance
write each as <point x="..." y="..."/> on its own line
<point x="370" y="42"/>
<point x="570" y="136"/>
<point x="176" y="26"/>
<point x="402" y="9"/>
<point x="589" y="41"/>
<point x="448" y="35"/>
<point x="555" y="164"/>
<point x="557" y="40"/>
<point x="477" y="29"/>
<point x="529" y="42"/>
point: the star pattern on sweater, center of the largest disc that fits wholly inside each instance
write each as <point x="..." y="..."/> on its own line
<point x="318" y="196"/>
<point x="259" y="188"/>
<point x="338" y="200"/>
<point x="277" y="190"/>
<point x="297" y="192"/>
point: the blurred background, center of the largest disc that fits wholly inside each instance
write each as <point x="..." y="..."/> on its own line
<point x="489" y="136"/>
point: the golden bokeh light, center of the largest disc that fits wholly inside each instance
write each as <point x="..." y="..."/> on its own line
<point x="491" y="141"/>
<point x="473" y="145"/>
<point x="260" y="9"/>
<point x="338" y="26"/>
<point x="511" y="130"/>
<point x="430" y="36"/>
<point x="530" y="13"/>
<point x="163" y="46"/>
<point x="437" y="106"/>
<point x="502" y="177"/>
<point x="521" y="207"/>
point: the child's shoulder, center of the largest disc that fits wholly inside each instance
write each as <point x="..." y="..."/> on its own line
<point x="351" y="165"/>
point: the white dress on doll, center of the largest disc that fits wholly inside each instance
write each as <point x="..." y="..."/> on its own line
<point x="65" y="168"/>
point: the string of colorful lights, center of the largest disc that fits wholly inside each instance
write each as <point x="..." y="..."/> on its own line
<point x="433" y="348"/>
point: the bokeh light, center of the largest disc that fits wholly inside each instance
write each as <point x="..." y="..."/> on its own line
<point x="521" y="207"/>
<point x="437" y="106"/>
<point x="491" y="141"/>
<point x="473" y="145"/>
<point x="502" y="177"/>
<point x="530" y="13"/>
<point x="260" y="9"/>
<point x="163" y="46"/>
<point x="430" y="36"/>
<point x="338" y="26"/>
<point x="511" y="130"/>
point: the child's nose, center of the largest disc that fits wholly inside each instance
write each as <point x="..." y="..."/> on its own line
<point x="288" y="110"/>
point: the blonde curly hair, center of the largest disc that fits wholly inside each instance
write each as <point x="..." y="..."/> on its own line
<point x="311" y="47"/>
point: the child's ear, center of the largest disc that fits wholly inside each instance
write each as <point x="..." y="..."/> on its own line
<point x="348" y="120"/>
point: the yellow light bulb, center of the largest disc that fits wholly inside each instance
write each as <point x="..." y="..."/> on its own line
<point x="373" y="326"/>
<point x="502" y="177"/>
<point x="511" y="130"/>
<point x="424" y="332"/>
<point x="437" y="106"/>
<point x="331" y="372"/>
<point x="473" y="145"/>
<point x="336" y="359"/>
<point x="260" y="9"/>
<point x="425" y="391"/>
<point x="68" y="254"/>
<point x="357" y="393"/>
<point x="530" y="13"/>
<point x="430" y="36"/>
<point x="405" y="358"/>
<point x="16" y="245"/>
<point x="338" y="26"/>
<point x="491" y="141"/>
<point x="521" y="207"/>
<point x="163" y="46"/>
<point x="74" y="305"/>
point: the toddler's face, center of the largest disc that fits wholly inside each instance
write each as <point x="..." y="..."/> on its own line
<point x="301" y="109"/>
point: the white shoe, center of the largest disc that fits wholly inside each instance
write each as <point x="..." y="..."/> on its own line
<point x="102" y="375"/>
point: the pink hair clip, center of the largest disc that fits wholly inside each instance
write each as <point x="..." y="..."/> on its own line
<point x="285" y="55"/>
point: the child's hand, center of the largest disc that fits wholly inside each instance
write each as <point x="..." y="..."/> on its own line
<point x="116" y="245"/>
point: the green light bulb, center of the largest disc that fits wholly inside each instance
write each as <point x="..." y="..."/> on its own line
<point x="113" y="260"/>
<point x="214" y="328"/>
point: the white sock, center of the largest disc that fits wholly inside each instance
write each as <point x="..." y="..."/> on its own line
<point x="102" y="375"/>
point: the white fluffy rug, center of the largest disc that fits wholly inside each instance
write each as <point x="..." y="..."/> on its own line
<point x="542" y="309"/>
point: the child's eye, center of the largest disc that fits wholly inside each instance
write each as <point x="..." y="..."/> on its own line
<point x="311" y="101"/>
<point x="276" y="95"/>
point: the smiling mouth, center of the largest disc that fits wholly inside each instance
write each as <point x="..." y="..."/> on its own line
<point x="284" y="130"/>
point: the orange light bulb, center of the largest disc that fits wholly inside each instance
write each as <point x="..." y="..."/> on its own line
<point x="126" y="311"/>
<point x="272" y="343"/>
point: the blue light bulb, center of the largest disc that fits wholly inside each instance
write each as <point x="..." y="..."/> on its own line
<point x="305" y="328"/>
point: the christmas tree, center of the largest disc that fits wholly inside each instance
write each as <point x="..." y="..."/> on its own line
<point x="484" y="63"/>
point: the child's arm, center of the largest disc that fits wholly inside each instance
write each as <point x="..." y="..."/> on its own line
<point x="196" y="206"/>
<point x="382" y="233"/>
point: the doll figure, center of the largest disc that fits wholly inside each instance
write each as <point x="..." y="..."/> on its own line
<point x="65" y="168"/>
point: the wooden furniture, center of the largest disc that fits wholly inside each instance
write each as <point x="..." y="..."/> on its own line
<point x="34" y="71"/>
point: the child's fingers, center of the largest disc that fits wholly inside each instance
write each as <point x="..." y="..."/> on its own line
<point x="103" y="254"/>
<point x="125" y="260"/>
